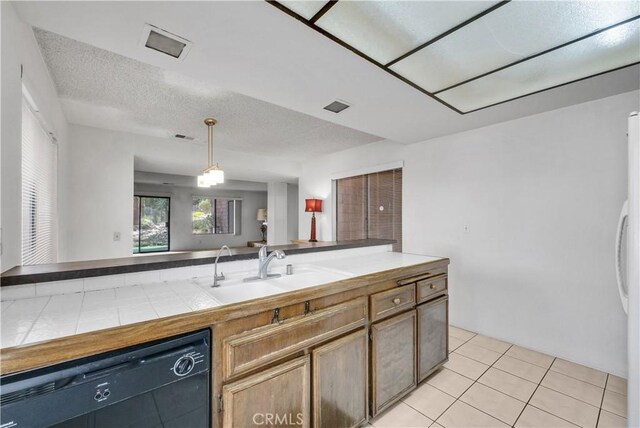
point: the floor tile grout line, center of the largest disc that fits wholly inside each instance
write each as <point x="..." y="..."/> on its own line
<point x="470" y="386"/>
<point x="581" y="380"/>
<point x="534" y="393"/>
<point x="571" y="396"/>
<point x="528" y="362"/>
<point x="502" y="355"/>
<point x="476" y="381"/>
<point x="604" y="391"/>
<point x="519" y="377"/>
<point x="527" y="403"/>
<point x="556" y="416"/>
<point x="492" y="366"/>
<point x="501" y="392"/>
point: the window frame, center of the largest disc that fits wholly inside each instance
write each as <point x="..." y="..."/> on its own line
<point x="140" y="196"/>
<point x="213" y="200"/>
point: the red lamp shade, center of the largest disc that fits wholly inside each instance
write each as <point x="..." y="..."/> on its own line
<point x="313" y="205"/>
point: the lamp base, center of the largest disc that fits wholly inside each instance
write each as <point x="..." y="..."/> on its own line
<point x="313" y="228"/>
<point x="263" y="229"/>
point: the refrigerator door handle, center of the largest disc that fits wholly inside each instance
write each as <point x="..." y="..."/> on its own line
<point x="622" y="224"/>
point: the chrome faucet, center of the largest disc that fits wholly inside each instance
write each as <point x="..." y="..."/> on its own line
<point x="263" y="264"/>
<point x="217" y="278"/>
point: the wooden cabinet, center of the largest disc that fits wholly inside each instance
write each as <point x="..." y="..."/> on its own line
<point x="349" y="356"/>
<point x="393" y="360"/>
<point x="258" y="347"/>
<point x="433" y="336"/>
<point x="276" y="397"/>
<point x="340" y="382"/>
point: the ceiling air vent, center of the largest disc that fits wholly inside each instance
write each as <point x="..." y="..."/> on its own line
<point x="183" y="137"/>
<point x="163" y="41"/>
<point x="336" y="106"/>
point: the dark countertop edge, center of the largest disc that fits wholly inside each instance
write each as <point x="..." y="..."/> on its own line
<point x="20" y="275"/>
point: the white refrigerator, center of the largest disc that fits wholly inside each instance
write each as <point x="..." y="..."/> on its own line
<point x="628" y="268"/>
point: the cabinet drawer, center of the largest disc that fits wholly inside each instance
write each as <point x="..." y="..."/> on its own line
<point x="392" y="301"/>
<point x="430" y="287"/>
<point x="249" y="350"/>
<point x="425" y="275"/>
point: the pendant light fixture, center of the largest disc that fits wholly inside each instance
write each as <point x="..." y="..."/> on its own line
<point x="212" y="175"/>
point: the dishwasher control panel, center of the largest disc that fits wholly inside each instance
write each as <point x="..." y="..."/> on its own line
<point x="186" y="363"/>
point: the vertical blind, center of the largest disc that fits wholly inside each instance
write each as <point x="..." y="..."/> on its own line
<point x="370" y="206"/>
<point x="39" y="192"/>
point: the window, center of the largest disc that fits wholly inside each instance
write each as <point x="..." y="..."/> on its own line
<point x="215" y="215"/>
<point x="39" y="192"/>
<point x="151" y="216"/>
<point x="370" y="206"/>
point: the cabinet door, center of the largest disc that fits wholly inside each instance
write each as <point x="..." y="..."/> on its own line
<point x="340" y="382"/>
<point x="275" y="397"/>
<point x="433" y="336"/>
<point x="393" y="360"/>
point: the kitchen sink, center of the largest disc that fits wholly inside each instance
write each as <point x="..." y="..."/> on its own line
<point x="234" y="289"/>
<point x="233" y="292"/>
<point x="306" y="276"/>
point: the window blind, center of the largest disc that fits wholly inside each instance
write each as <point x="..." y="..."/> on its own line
<point x="39" y="192"/>
<point x="370" y="206"/>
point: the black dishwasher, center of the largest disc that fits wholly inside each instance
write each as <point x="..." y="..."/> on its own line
<point x="158" y="384"/>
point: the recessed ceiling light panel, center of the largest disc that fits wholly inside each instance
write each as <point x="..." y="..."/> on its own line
<point x="588" y="57"/>
<point x="384" y="30"/>
<point x="304" y="8"/>
<point x="470" y="55"/>
<point x="162" y="41"/>
<point x="508" y="34"/>
<point x="337" y="106"/>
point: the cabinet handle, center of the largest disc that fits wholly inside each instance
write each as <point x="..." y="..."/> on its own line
<point x="396" y="301"/>
<point x="433" y="286"/>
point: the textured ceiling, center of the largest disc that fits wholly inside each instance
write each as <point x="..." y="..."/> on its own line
<point x="252" y="48"/>
<point x="106" y="90"/>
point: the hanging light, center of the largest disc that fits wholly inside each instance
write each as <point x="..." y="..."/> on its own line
<point x="212" y="175"/>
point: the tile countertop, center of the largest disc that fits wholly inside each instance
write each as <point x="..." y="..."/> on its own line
<point x="44" y="318"/>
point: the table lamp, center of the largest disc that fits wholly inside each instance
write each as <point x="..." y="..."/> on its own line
<point x="313" y="206"/>
<point x="262" y="216"/>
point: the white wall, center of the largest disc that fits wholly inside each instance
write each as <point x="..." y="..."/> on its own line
<point x="277" y="213"/>
<point x="282" y="214"/>
<point x="19" y="48"/>
<point x="541" y="197"/>
<point x="181" y="230"/>
<point x="292" y="212"/>
<point x="99" y="173"/>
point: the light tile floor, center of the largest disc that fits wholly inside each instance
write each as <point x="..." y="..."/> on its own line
<point x="490" y="383"/>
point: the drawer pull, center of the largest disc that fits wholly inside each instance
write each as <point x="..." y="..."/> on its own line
<point x="396" y="301"/>
<point x="275" y="319"/>
<point x="433" y="286"/>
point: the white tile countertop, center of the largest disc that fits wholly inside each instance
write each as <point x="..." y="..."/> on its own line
<point x="80" y="306"/>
